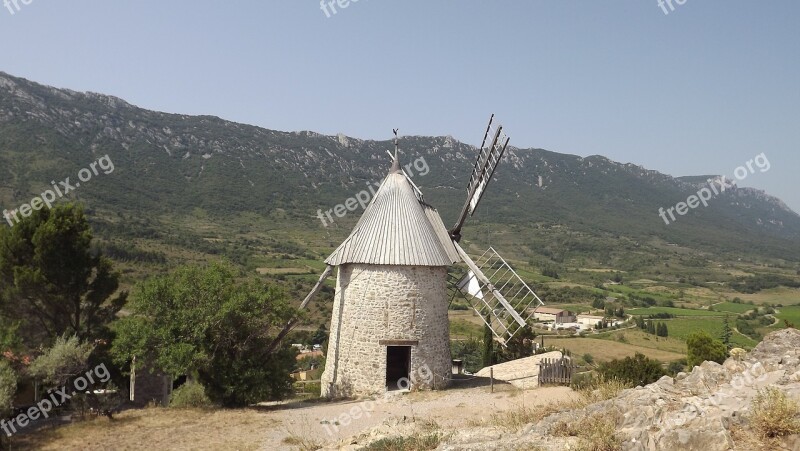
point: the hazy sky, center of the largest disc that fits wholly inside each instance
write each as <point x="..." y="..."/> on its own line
<point x="700" y="90"/>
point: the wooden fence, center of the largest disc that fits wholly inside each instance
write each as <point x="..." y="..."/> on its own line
<point x="556" y="371"/>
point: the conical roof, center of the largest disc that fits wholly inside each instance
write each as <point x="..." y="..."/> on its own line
<point x="397" y="229"/>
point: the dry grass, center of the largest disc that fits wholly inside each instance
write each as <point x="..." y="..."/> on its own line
<point x="604" y="350"/>
<point x="596" y="433"/>
<point x="427" y="437"/>
<point x="773" y="414"/>
<point x="600" y="389"/>
<point x="516" y="419"/>
<point x="302" y="443"/>
<point x="746" y="440"/>
<point x="163" y="428"/>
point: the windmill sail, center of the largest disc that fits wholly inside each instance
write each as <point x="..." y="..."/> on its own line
<point x="496" y="292"/>
<point x="489" y="156"/>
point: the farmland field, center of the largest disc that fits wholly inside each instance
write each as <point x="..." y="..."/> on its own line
<point x="637" y="337"/>
<point x="732" y="307"/>
<point x="791" y="314"/>
<point x="780" y="295"/>
<point x="672" y="310"/>
<point x="683" y="327"/>
<point x="604" y="350"/>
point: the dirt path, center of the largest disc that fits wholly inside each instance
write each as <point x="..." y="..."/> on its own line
<point x="328" y="423"/>
<point x="286" y="426"/>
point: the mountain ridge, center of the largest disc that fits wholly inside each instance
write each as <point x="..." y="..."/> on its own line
<point x="223" y="167"/>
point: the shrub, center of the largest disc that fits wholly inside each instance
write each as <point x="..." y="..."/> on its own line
<point x="469" y="351"/>
<point x="738" y="354"/>
<point x="427" y="437"/>
<point x="676" y="367"/>
<point x="773" y="414"/>
<point x="190" y="395"/>
<point x="8" y="386"/>
<point x="67" y="358"/>
<point x="637" y="370"/>
<point x="702" y="347"/>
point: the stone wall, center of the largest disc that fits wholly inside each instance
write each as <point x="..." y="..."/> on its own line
<point x="149" y="386"/>
<point x="375" y="303"/>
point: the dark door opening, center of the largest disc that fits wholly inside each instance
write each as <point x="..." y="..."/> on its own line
<point x="398" y="366"/>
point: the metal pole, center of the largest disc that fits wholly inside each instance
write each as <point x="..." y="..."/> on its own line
<point x="491" y="380"/>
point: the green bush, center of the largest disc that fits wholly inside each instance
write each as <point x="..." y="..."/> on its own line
<point x="190" y="395"/>
<point x="67" y="358"/>
<point x="637" y="370"/>
<point x="8" y="386"/>
<point x="702" y="347"/>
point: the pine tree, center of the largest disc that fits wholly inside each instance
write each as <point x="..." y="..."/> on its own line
<point x="651" y="327"/>
<point x="726" y="333"/>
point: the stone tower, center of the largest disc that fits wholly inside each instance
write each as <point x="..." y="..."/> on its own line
<point x="390" y="308"/>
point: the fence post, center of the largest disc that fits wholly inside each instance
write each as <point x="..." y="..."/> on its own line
<point x="491" y="380"/>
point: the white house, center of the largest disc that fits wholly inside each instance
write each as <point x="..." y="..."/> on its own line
<point x="556" y="315"/>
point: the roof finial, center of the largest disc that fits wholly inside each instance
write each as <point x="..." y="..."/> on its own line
<point x="396" y="160"/>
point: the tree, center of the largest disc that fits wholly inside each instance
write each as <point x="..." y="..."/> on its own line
<point x="702" y="347"/>
<point x="8" y="387"/>
<point x="620" y="312"/>
<point x="320" y="336"/>
<point x="66" y="359"/>
<point x="470" y="352"/>
<point x="651" y="327"/>
<point x="201" y="322"/>
<point x="51" y="280"/>
<point x="637" y="370"/>
<point x="726" y="333"/>
<point x="519" y="346"/>
<point x="599" y="303"/>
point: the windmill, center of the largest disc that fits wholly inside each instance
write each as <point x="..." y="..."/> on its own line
<point x="394" y="285"/>
<point x="495" y="291"/>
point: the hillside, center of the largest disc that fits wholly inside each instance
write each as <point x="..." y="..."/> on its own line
<point x="189" y="188"/>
